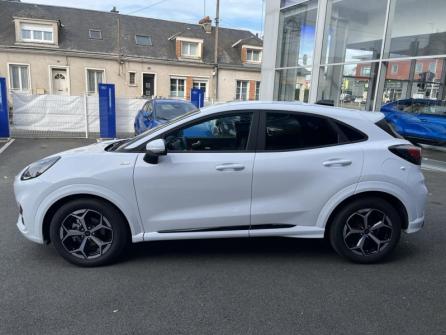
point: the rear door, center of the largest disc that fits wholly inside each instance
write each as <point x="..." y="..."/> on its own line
<point x="302" y="162"/>
<point x="433" y="121"/>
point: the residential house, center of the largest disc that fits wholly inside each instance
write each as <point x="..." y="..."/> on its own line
<point x="58" y="50"/>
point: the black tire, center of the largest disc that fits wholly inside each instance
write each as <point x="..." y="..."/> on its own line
<point x="343" y="236"/>
<point x="114" y="235"/>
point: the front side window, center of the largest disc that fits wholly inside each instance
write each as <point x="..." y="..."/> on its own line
<point x="223" y="133"/>
<point x="177" y="87"/>
<point x="167" y="110"/>
<point x="36" y="33"/>
<point x="242" y="90"/>
<point x="19" y="77"/>
<point x="189" y="49"/>
<point x="94" y="77"/>
<point x="287" y="131"/>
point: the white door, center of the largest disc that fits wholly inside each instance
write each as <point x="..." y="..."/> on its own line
<point x="203" y="184"/>
<point x="60" y="81"/>
<point x="301" y="168"/>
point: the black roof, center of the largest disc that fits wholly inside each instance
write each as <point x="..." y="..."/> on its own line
<point x="75" y="25"/>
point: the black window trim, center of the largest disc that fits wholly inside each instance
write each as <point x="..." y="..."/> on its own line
<point x="252" y="139"/>
<point x="261" y="134"/>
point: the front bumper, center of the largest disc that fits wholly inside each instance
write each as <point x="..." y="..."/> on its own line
<point x="25" y="232"/>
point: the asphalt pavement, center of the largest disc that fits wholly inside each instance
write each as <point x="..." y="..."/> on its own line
<point x="233" y="286"/>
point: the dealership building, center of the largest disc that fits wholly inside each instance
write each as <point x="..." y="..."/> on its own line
<point x="354" y="53"/>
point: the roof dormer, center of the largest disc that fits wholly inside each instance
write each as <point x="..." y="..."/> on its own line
<point x="251" y="54"/>
<point x="189" y="48"/>
<point x="36" y="32"/>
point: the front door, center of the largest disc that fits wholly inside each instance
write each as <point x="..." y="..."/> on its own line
<point x="148" y="85"/>
<point x="203" y="185"/>
<point x="60" y="81"/>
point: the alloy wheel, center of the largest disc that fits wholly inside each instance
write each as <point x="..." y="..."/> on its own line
<point x="86" y="234"/>
<point x="367" y="231"/>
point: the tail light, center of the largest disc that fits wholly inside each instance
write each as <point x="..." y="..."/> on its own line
<point x="408" y="152"/>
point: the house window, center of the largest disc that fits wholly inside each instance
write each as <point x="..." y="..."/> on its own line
<point x="94" y="77"/>
<point x="19" y="77"/>
<point x="418" y="67"/>
<point x="432" y="67"/>
<point x="253" y="55"/>
<point x="242" y="90"/>
<point x="37" y="33"/>
<point x="132" y="78"/>
<point x="189" y="49"/>
<point x="177" y="87"/>
<point x="257" y="97"/>
<point x="366" y="71"/>
<point x="143" y="40"/>
<point x="95" y="34"/>
<point x="394" y="68"/>
<point x="201" y="84"/>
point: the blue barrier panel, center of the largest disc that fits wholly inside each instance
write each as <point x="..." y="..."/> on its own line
<point x="107" y="110"/>
<point x="4" y="117"/>
<point x="197" y="97"/>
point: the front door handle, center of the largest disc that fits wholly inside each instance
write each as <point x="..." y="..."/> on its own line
<point x="337" y="162"/>
<point x="230" y="166"/>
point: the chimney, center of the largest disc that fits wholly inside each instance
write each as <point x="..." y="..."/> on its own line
<point x="114" y="10"/>
<point x="206" y="23"/>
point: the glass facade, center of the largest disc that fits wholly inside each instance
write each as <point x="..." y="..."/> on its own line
<point x="361" y="55"/>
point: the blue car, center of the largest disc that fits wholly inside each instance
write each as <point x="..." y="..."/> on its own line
<point x="158" y="111"/>
<point x="418" y="120"/>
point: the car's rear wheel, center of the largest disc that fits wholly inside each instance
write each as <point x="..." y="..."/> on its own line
<point x="88" y="232"/>
<point x="366" y="230"/>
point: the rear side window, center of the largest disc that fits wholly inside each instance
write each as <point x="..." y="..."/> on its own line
<point x="286" y="131"/>
<point x="387" y="127"/>
<point x="351" y="134"/>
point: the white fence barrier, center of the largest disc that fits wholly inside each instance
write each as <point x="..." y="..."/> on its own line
<point x="67" y="116"/>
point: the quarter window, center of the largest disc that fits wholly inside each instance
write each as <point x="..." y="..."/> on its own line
<point x="286" y="131"/>
<point x="224" y="133"/>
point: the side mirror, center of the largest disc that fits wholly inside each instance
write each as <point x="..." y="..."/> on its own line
<point x="154" y="149"/>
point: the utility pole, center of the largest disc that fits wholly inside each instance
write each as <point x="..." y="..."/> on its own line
<point x="217" y="22"/>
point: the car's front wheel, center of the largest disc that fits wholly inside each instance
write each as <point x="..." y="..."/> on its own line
<point x="366" y="230"/>
<point x="88" y="232"/>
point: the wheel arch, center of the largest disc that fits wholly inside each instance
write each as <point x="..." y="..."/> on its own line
<point x="393" y="200"/>
<point x="64" y="200"/>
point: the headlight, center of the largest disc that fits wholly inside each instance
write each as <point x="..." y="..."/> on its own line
<point x="39" y="167"/>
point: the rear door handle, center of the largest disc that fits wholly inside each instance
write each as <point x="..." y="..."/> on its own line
<point x="230" y="166"/>
<point x="337" y="162"/>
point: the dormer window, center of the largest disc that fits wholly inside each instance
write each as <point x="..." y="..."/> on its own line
<point x="37" y="33"/>
<point x="254" y="55"/>
<point x="189" y="48"/>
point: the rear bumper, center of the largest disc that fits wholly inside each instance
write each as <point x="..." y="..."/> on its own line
<point x="415" y="225"/>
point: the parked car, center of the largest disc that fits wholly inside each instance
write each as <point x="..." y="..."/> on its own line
<point x="418" y="120"/>
<point x="260" y="169"/>
<point x="158" y="111"/>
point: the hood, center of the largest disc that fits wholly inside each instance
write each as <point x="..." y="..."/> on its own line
<point x="95" y="147"/>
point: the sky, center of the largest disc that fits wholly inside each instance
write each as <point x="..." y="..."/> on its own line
<point x="240" y="14"/>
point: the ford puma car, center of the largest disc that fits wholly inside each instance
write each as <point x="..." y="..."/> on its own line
<point x="237" y="170"/>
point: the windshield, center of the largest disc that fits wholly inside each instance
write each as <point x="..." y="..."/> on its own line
<point x="130" y="141"/>
<point x="168" y="110"/>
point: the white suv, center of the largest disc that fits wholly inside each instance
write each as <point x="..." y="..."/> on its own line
<point x="235" y="170"/>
